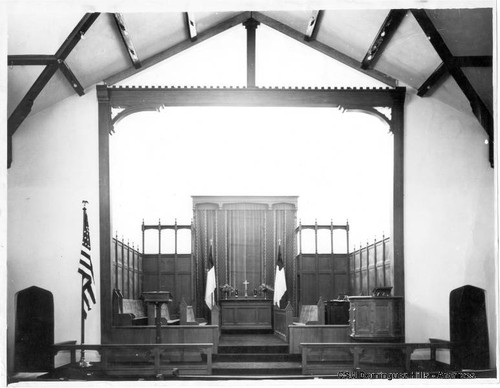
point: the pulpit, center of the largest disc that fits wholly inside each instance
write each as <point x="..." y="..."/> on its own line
<point x="375" y="318"/>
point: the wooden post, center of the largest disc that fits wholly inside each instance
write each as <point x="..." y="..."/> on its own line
<point x="183" y="312"/>
<point x="288" y="315"/>
<point x="215" y="315"/>
<point x="375" y="260"/>
<point x="397" y="127"/>
<point x="159" y="256"/>
<point x="105" y="234"/>
<point x="251" y="26"/>
<point x="321" y="311"/>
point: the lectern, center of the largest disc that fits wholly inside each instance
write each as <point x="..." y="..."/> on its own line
<point x="156" y="299"/>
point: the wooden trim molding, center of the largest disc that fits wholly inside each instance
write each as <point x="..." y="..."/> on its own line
<point x="137" y="99"/>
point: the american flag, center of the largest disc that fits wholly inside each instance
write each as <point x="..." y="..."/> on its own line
<point x="86" y="270"/>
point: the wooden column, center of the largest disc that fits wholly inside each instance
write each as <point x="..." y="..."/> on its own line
<point x="105" y="236"/>
<point x="398" y="197"/>
<point x="251" y="26"/>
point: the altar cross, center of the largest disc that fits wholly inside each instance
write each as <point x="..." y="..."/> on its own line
<point x="246" y="283"/>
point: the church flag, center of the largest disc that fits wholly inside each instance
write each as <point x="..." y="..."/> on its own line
<point x="210" y="287"/>
<point x="279" y="279"/>
<point x="86" y="270"/>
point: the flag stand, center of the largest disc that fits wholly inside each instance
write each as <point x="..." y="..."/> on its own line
<point x="83" y="363"/>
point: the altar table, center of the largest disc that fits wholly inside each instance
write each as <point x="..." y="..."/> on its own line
<point x="246" y="313"/>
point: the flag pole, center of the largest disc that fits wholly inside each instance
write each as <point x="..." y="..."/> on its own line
<point x="83" y="363"/>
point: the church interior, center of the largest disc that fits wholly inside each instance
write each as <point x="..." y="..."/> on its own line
<point x="214" y="246"/>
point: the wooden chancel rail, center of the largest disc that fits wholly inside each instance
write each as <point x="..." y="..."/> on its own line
<point x="320" y="358"/>
<point x="147" y="359"/>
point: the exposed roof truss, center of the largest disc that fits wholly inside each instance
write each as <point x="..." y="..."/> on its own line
<point x="450" y="64"/>
<point x="24" y="107"/>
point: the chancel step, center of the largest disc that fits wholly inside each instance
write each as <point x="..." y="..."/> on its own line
<point x="257" y="357"/>
<point x="256" y="368"/>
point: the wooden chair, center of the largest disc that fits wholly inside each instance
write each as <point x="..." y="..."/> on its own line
<point x="187" y="315"/>
<point x="311" y="314"/>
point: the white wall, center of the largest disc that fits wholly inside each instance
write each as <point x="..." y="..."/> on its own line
<point x="449" y="216"/>
<point x="55" y="167"/>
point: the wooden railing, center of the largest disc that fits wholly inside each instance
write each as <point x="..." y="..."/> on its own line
<point x="404" y="350"/>
<point x="147" y="357"/>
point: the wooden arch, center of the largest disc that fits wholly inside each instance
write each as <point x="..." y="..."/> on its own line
<point x="136" y="99"/>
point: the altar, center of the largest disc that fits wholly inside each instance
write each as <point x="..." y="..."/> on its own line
<point x="246" y="313"/>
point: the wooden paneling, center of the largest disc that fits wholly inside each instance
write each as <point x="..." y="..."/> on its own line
<point x="370" y="267"/>
<point x="126" y="273"/>
<point x="316" y="334"/>
<point x="175" y="276"/>
<point x="322" y="275"/>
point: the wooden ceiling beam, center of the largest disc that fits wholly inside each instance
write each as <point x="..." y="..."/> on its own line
<point x="176" y="49"/>
<point x="327" y="50"/>
<point x="68" y="74"/>
<point x="384" y="35"/>
<point x="24" y="107"/>
<point x="313" y="25"/>
<point x="442" y="70"/>
<point x="478" y="107"/>
<point x="31" y="60"/>
<point x="191" y="26"/>
<point x="431" y="82"/>
<point x="127" y="40"/>
<point x="76" y="35"/>
<point x="474" y="61"/>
